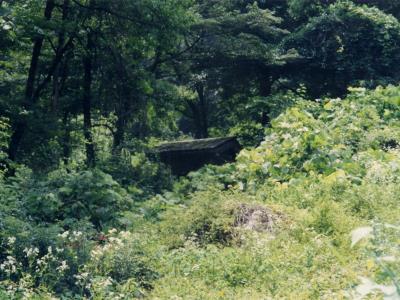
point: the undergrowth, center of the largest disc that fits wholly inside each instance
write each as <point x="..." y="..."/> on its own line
<point x="276" y="224"/>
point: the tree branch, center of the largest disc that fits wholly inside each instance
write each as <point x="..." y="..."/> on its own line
<point x="111" y="12"/>
<point x="57" y="59"/>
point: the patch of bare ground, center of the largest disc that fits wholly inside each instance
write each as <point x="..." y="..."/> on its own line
<point x="257" y="218"/>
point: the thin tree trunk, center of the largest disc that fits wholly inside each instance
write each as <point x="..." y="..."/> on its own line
<point x="265" y="91"/>
<point x="21" y="125"/>
<point x="194" y="115"/>
<point x="119" y="133"/>
<point x="59" y="68"/>
<point x="123" y="109"/>
<point x="66" y="139"/>
<point x="203" y="113"/>
<point x="87" y="102"/>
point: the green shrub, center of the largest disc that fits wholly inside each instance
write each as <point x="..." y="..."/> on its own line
<point x="136" y="167"/>
<point x="209" y="219"/>
<point x="249" y="133"/>
<point x="43" y="260"/>
<point x="92" y="195"/>
<point x="123" y="258"/>
<point x="322" y="141"/>
<point x="87" y="195"/>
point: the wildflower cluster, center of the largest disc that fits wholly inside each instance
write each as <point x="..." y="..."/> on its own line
<point x="32" y="269"/>
<point x="94" y="277"/>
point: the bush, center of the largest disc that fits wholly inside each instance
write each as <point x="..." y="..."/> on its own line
<point x="209" y="219"/>
<point x="122" y="257"/>
<point x="324" y="140"/>
<point x="44" y="262"/>
<point x="249" y="134"/>
<point x="137" y="168"/>
<point x="87" y="195"/>
<point x="92" y="195"/>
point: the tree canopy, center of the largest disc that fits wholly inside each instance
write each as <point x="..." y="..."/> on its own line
<point x="140" y="69"/>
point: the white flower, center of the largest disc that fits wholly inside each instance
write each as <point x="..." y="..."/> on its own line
<point x="63" y="266"/>
<point x="112" y="231"/>
<point x="125" y="234"/>
<point x="77" y="233"/>
<point x="11" y="259"/>
<point x="81" y="279"/>
<point x="303" y="129"/>
<point x="9" y="265"/>
<point x="41" y="262"/>
<point x="7" y="27"/>
<point x="117" y="241"/>
<point x="64" y="235"/>
<point x="11" y="240"/>
<point x="96" y="252"/>
<point x="31" y="252"/>
<point x="285" y="125"/>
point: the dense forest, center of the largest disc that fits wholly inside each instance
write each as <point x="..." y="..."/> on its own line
<point x="309" y="209"/>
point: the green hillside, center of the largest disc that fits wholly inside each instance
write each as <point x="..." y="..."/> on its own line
<point x="275" y="224"/>
<point x="199" y="149"/>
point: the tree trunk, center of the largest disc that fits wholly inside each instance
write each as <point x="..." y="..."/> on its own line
<point x="21" y="125"/>
<point x="122" y="111"/>
<point x="66" y="139"/>
<point x="120" y="126"/>
<point x="202" y="117"/>
<point x="118" y="136"/>
<point x="58" y="72"/>
<point x="87" y="102"/>
<point x="265" y="91"/>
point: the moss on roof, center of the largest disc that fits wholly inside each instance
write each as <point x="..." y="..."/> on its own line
<point x="194" y="145"/>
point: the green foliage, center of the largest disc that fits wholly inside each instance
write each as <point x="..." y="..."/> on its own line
<point x="4" y="136"/>
<point x="73" y="265"/>
<point x="341" y="44"/>
<point x="302" y="10"/>
<point x="248" y="133"/>
<point x="325" y="139"/>
<point x="123" y="260"/>
<point x="93" y="195"/>
<point x="275" y="224"/>
<point x="89" y="88"/>
<point x="134" y="166"/>
<point x="64" y="197"/>
<point x="208" y="220"/>
<point x="323" y="192"/>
